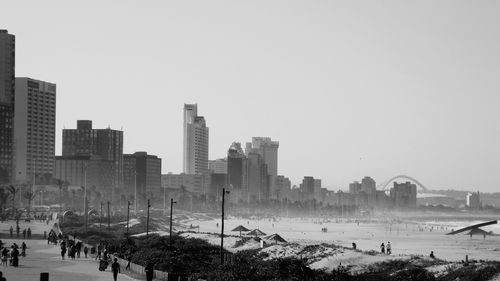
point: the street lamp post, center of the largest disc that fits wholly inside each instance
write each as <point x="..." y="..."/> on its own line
<point x="100" y="219"/>
<point x="222" y="228"/>
<point x="128" y="214"/>
<point x="135" y="193"/>
<point x="85" y="218"/>
<point x="147" y="222"/>
<point x="172" y="202"/>
<point x="109" y="220"/>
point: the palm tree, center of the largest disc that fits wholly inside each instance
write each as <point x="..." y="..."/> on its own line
<point x="3" y="198"/>
<point x="30" y="195"/>
<point x="13" y="190"/>
<point x="60" y="183"/>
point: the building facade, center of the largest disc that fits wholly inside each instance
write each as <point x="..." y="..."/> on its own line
<point x="404" y="195"/>
<point x="34" y="129"/>
<point x="81" y="171"/>
<point x="100" y="144"/>
<point x="473" y="200"/>
<point x="196" y="136"/>
<point x="268" y="150"/>
<point x="218" y="166"/>
<point x="142" y="176"/>
<point x="7" y="89"/>
<point x="194" y="184"/>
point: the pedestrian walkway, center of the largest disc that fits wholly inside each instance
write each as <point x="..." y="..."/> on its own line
<point x="47" y="258"/>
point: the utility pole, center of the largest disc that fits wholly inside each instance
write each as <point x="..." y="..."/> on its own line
<point x="135" y="193"/>
<point x="100" y="219"/>
<point x="147" y="222"/>
<point x="85" y="215"/>
<point x="172" y="202"/>
<point x="109" y="220"/>
<point x="128" y="214"/>
<point x="222" y="228"/>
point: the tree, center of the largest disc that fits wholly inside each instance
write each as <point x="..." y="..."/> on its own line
<point x="60" y="183"/>
<point x="4" y="195"/>
<point x="13" y="190"/>
<point x="30" y="195"/>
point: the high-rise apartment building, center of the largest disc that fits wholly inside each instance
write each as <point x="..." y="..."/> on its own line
<point x="218" y="166"/>
<point x="195" y="154"/>
<point x="268" y="150"/>
<point x="404" y="195"/>
<point x="34" y="129"/>
<point x="103" y="144"/>
<point x="142" y="175"/>
<point x="7" y="89"/>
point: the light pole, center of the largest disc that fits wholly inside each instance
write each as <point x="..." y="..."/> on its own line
<point x="85" y="215"/>
<point x="109" y="220"/>
<point x="128" y="214"/>
<point x="165" y="201"/>
<point x="135" y="193"/>
<point x="172" y="202"/>
<point x="147" y="222"/>
<point x="222" y="228"/>
<point x="100" y="218"/>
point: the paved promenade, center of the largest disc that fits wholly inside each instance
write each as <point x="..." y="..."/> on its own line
<point x="41" y="257"/>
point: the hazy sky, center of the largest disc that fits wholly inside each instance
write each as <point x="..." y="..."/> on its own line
<point x="348" y="88"/>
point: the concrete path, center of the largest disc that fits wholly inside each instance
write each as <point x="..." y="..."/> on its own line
<point x="46" y="258"/>
<point x="41" y="257"/>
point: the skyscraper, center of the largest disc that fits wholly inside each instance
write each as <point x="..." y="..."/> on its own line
<point x="34" y="129"/>
<point x="7" y="86"/>
<point x="195" y="154"/>
<point x="268" y="150"/>
<point x="142" y="175"/>
<point x="102" y="144"/>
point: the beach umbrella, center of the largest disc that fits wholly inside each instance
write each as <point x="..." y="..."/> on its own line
<point x="276" y="237"/>
<point x="240" y="228"/>
<point x="256" y="232"/>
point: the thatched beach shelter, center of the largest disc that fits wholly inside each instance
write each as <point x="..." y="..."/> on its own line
<point x="241" y="228"/>
<point x="276" y="237"/>
<point x="256" y="232"/>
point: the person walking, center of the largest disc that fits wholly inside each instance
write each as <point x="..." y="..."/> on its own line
<point x="63" y="249"/>
<point x="29" y="233"/>
<point x="389" y="248"/>
<point x="115" y="268"/>
<point x="85" y="251"/>
<point x="149" y="271"/>
<point x="23" y="249"/>
<point x="129" y="259"/>
<point x="382" y="248"/>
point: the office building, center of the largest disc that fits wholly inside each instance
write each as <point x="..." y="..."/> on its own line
<point x="473" y="200"/>
<point x="100" y="144"/>
<point x="218" y="166"/>
<point x="195" y="154"/>
<point x="307" y="188"/>
<point x="268" y="150"/>
<point x="142" y="176"/>
<point x="404" y="195"/>
<point x="283" y="187"/>
<point x="193" y="184"/>
<point x="7" y="89"/>
<point x="90" y="171"/>
<point x="236" y="167"/>
<point x="34" y="129"/>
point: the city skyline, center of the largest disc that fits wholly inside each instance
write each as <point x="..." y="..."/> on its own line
<point x="421" y="100"/>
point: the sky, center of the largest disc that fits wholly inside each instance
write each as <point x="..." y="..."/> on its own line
<point x="349" y="88"/>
